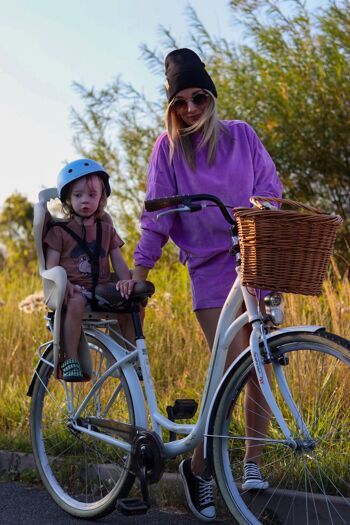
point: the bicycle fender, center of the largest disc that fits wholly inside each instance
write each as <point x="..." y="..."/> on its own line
<point x="236" y="363"/>
<point x="132" y="380"/>
<point x="37" y="369"/>
<point x="130" y="374"/>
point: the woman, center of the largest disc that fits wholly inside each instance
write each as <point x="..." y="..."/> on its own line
<point x="201" y="154"/>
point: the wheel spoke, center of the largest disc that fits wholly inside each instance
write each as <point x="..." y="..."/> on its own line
<point x="314" y="478"/>
<point x="84" y="474"/>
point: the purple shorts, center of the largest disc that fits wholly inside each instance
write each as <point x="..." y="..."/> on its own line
<point x="211" y="280"/>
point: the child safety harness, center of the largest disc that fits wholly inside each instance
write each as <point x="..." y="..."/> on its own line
<point x="94" y="256"/>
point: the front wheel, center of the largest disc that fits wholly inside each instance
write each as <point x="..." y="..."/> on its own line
<point x="84" y="475"/>
<point x="308" y="485"/>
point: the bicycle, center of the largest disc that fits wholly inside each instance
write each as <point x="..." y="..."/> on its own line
<point x="92" y="440"/>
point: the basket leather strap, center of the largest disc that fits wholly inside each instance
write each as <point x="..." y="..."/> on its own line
<point x="256" y="200"/>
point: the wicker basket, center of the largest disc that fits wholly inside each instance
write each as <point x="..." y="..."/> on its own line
<point x="285" y="250"/>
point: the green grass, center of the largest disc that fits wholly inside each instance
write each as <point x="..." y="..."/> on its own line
<point x="178" y="352"/>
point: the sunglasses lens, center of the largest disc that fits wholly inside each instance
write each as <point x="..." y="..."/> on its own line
<point x="200" y="99"/>
<point x="179" y="104"/>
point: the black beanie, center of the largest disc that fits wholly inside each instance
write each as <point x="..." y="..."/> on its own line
<point x="184" y="69"/>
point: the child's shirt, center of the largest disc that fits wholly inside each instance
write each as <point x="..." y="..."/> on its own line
<point x="74" y="260"/>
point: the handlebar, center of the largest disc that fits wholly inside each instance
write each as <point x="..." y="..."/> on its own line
<point x="164" y="202"/>
<point x="187" y="201"/>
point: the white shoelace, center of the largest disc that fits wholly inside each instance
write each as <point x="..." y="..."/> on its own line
<point x="252" y="471"/>
<point x="205" y="491"/>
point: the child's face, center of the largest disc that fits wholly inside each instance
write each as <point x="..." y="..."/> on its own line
<point x="86" y="195"/>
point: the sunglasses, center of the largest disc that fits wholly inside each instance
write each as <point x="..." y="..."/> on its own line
<point x="198" y="99"/>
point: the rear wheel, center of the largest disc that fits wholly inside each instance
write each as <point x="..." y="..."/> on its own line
<point x="308" y="485"/>
<point x="84" y="475"/>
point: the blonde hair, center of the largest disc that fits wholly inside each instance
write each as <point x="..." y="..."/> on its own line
<point x="180" y="136"/>
<point x="66" y="204"/>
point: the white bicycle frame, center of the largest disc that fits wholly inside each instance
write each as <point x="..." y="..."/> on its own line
<point x="228" y="326"/>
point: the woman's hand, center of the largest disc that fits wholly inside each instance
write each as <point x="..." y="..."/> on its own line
<point x="125" y="287"/>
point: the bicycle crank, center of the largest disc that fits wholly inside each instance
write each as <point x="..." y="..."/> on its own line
<point x="147" y="464"/>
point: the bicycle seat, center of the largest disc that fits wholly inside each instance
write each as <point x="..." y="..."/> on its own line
<point x="109" y="297"/>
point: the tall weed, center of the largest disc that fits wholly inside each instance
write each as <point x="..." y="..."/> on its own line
<point x="178" y="353"/>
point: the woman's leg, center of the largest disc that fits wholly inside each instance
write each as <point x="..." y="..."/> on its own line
<point x="256" y="409"/>
<point x="208" y="319"/>
<point x="257" y="417"/>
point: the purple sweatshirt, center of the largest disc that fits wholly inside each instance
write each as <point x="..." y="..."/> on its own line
<point x="242" y="168"/>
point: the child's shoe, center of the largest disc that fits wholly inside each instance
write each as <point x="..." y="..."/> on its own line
<point x="71" y="370"/>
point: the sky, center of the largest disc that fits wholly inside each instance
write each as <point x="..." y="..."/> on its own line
<point x="47" y="45"/>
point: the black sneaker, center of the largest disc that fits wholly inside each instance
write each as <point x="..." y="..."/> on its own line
<point x="252" y="477"/>
<point x="199" y="492"/>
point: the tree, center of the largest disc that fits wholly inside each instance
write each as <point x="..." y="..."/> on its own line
<point x="289" y="79"/>
<point x="116" y="131"/>
<point x="293" y="86"/>
<point x="16" y="231"/>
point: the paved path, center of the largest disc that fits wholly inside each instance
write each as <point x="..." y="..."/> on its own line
<point x="24" y="505"/>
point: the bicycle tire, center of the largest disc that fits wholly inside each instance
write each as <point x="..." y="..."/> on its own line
<point x="85" y="476"/>
<point x="305" y="486"/>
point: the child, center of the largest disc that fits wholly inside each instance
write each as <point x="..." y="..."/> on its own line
<point x="83" y="246"/>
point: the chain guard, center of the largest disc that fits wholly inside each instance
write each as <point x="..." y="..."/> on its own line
<point x="147" y="454"/>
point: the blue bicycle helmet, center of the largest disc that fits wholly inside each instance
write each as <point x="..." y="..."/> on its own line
<point x="77" y="169"/>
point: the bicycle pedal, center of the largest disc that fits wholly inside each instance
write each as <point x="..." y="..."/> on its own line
<point x="132" y="506"/>
<point x="181" y="409"/>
